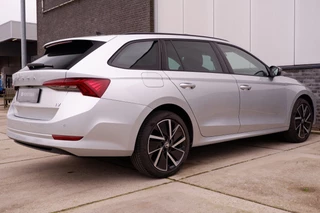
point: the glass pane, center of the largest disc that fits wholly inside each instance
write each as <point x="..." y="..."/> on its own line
<point x="197" y="56"/>
<point x="207" y="63"/>
<point x="238" y="62"/>
<point x="139" y="55"/>
<point x="172" y="64"/>
<point x="66" y="54"/>
<point x="243" y="63"/>
<point x="173" y="58"/>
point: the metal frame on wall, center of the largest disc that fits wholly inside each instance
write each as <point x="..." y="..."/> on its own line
<point x="44" y="10"/>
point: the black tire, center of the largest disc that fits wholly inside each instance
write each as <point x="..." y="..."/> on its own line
<point x="300" y="123"/>
<point x="155" y="153"/>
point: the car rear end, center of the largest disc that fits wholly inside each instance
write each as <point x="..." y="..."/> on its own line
<point x="60" y="104"/>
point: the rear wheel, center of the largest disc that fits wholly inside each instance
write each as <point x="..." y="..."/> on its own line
<point x="300" y="123"/>
<point x="162" y="145"/>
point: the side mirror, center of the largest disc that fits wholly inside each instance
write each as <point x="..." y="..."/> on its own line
<point x="275" y="71"/>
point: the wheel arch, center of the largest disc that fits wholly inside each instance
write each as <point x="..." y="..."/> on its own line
<point x="308" y="99"/>
<point x="311" y="102"/>
<point x="291" y="135"/>
<point x="180" y="112"/>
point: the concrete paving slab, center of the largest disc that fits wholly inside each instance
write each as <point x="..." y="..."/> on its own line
<point x="208" y="158"/>
<point x="175" y="197"/>
<point x="3" y="136"/>
<point x="3" y="115"/>
<point x="288" y="180"/>
<point x="3" y="122"/>
<point x="310" y="149"/>
<point x="275" y="142"/>
<point x="3" y="129"/>
<point x="52" y="184"/>
<point x="3" y="112"/>
<point x="13" y="152"/>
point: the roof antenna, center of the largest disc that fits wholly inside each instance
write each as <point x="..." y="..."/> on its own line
<point x="98" y="33"/>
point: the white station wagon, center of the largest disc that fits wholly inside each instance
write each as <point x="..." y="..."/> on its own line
<point x="152" y="97"/>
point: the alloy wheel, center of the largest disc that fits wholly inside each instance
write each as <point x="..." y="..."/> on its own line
<point x="167" y="145"/>
<point x="303" y="120"/>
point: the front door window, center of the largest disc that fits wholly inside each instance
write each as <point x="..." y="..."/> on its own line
<point x="243" y="63"/>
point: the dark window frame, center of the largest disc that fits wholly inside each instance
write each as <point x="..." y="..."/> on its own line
<point x="214" y="49"/>
<point x="114" y="56"/>
<point x="226" y="61"/>
<point x="165" y="63"/>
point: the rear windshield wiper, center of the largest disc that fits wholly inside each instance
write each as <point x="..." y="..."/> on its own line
<point x="33" y="66"/>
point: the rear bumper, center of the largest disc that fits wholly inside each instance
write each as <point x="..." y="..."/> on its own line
<point x="44" y="148"/>
<point x="109" y="128"/>
<point x="83" y="147"/>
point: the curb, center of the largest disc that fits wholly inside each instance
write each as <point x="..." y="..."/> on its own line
<point x="315" y="131"/>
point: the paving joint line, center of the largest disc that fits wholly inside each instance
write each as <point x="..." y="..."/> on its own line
<point x="222" y="167"/>
<point x="302" y="146"/>
<point x="279" y="151"/>
<point x="30" y="159"/>
<point x="235" y="196"/>
<point x="7" y="139"/>
<point x="112" y="197"/>
<point x="233" y="164"/>
<point x="262" y="147"/>
<point x="284" y="150"/>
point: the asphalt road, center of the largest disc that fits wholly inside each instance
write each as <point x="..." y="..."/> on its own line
<point x="260" y="174"/>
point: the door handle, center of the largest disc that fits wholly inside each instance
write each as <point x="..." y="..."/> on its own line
<point x="245" y="87"/>
<point x="187" y="85"/>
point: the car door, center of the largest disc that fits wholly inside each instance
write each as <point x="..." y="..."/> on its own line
<point x="213" y="95"/>
<point x="263" y="101"/>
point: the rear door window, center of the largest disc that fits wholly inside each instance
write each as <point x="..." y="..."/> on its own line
<point x="64" y="55"/>
<point x="138" y="55"/>
<point x="174" y="62"/>
<point x="196" y="56"/>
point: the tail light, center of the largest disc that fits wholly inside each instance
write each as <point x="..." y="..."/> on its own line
<point x="94" y="87"/>
<point x="67" y="137"/>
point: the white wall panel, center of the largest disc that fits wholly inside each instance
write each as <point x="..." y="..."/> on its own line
<point x="280" y="32"/>
<point x="169" y="16"/>
<point x="307" y="31"/>
<point x="232" y="21"/>
<point x="198" y="17"/>
<point x="272" y="29"/>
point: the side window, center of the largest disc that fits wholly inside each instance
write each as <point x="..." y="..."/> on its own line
<point x="194" y="56"/>
<point x="173" y="59"/>
<point x="139" y="55"/>
<point x="243" y="63"/>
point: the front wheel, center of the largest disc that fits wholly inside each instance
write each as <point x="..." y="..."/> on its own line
<point x="162" y="145"/>
<point x="300" y="123"/>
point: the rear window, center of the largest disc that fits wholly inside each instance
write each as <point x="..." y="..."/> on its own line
<point x="64" y="55"/>
<point x="138" y="55"/>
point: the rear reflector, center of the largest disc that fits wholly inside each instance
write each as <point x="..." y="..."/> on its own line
<point x="67" y="137"/>
<point x="94" y="87"/>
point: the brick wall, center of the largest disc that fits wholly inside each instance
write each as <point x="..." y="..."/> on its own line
<point x="86" y="17"/>
<point x="310" y="78"/>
